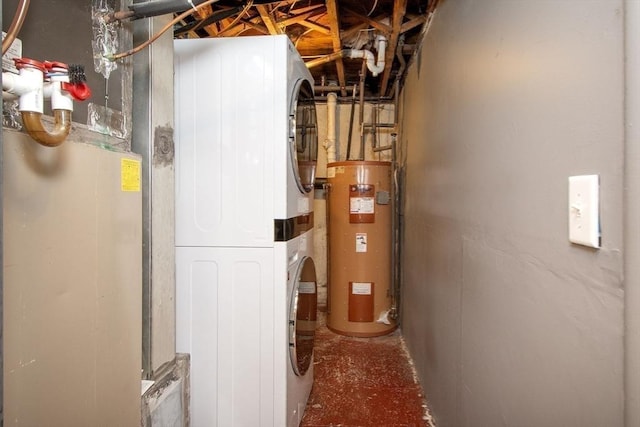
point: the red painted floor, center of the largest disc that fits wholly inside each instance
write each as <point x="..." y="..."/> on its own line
<point x="363" y="382"/>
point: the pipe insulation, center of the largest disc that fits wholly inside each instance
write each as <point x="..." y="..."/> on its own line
<point x="153" y="8"/>
<point x="375" y="68"/>
<point x="161" y="7"/>
<point x="330" y="142"/>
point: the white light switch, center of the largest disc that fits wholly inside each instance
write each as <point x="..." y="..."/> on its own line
<point x="584" y="210"/>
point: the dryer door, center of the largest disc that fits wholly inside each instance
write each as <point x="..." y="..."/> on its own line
<point x="302" y="316"/>
<point x="303" y="136"/>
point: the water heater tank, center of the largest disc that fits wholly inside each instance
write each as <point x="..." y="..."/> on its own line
<point x="359" y="223"/>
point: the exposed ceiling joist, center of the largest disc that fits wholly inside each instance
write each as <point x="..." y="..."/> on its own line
<point x="411" y="24"/>
<point x="322" y="30"/>
<point x="274" y="29"/>
<point x="399" y="9"/>
<point x="375" y="23"/>
<point x="334" y="24"/>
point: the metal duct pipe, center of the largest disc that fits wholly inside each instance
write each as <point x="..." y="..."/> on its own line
<point x="353" y="107"/>
<point x="396" y="233"/>
<point x="361" y="122"/>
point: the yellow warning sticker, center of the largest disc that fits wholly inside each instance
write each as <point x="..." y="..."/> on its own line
<point x="130" y="174"/>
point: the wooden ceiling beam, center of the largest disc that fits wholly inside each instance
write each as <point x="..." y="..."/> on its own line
<point x="268" y="21"/>
<point x="245" y="24"/>
<point x="203" y="13"/>
<point x="375" y="23"/>
<point x="352" y="31"/>
<point x="316" y="27"/>
<point x="399" y="9"/>
<point x="302" y="19"/>
<point x="296" y="19"/>
<point x="334" y="25"/>
<point x="415" y="22"/>
<point x="306" y="9"/>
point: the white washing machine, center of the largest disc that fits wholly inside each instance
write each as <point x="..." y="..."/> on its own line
<point x="247" y="317"/>
<point x="246" y="145"/>
<point x="302" y="309"/>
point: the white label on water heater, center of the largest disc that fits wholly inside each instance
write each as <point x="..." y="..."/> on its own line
<point x="307" y="288"/>
<point x="361" y="242"/>
<point x="361" y="205"/>
<point x="331" y="172"/>
<point x="361" y="288"/>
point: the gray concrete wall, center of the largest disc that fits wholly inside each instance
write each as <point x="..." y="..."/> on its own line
<point x="508" y="323"/>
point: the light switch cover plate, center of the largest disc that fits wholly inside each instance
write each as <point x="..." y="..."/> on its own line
<point x="584" y="210"/>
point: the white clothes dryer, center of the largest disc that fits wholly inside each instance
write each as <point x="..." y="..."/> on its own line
<point x="246" y="145"/>
<point x="246" y="140"/>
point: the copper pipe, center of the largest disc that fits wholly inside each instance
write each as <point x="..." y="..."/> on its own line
<point x="326" y="59"/>
<point x="16" y="25"/>
<point x="161" y="32"/>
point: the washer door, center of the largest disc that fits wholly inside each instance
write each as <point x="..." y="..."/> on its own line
<point x="303" y="316"/>
<point x="303" y="136"/>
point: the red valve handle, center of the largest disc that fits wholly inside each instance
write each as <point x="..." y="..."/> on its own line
<point x="79" y="91"/>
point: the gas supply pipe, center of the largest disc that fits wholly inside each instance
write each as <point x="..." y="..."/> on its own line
<point x="59" y="82"/>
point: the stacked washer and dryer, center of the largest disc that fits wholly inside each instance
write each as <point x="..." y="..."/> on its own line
<point x="246" y="297"/>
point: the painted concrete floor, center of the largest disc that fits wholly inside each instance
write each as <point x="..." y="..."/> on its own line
<point x="364" y="382"/>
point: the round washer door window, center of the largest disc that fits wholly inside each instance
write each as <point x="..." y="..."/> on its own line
<point x="302" y="316"/>
<point x="303" y="136"/>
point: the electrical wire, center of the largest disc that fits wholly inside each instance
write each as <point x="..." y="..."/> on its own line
<point x="375" y="4"/>
<point x="159" y="33"/>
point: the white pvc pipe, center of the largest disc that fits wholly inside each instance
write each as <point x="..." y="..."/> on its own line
<point x="330" y="143"/>
<point x="60" y="100"/>
<point x="28" y="85"/>
<point x="375" y="69"/>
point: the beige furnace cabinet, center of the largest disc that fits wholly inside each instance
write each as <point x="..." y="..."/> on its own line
<point x="72" y="285"/>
